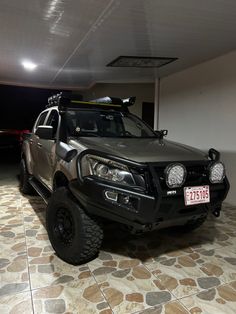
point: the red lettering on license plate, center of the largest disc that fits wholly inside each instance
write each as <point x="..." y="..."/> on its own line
<point x="196" y="195"/>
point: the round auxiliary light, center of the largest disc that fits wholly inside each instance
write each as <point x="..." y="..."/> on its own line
<point x="175" y="175"/>
<point x="217" y="172"/>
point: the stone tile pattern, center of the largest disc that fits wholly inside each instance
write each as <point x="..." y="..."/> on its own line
<point x="160" y="272"/>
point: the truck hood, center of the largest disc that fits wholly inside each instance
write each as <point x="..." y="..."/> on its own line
<point x="140" y="150"/>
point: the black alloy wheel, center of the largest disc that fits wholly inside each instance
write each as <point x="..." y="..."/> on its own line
<point x="75" y="236"/>
<point x="64" y="227"/>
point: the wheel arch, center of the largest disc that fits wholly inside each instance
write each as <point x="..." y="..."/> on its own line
<point x="60" y="180"/>
<point x="24" y="157"/>
<point x="25" y="154"/>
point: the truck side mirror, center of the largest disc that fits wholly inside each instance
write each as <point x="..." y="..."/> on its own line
<point x="44" y="132"/>
<point x="161" y="133"/>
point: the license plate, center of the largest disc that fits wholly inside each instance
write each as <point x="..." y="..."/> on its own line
<point x="196" y="195"/>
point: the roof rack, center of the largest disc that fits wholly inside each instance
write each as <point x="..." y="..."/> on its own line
<point x="114" y="100"/>
<point x="62" y="99"/>
<point x="66" y="100"/>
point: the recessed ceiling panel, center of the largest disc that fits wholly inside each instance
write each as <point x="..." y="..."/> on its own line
<point x="140" y="62"/>
<point x="71" y="42"/>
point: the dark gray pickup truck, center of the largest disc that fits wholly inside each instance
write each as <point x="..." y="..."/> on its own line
<point x="94" y="162"/>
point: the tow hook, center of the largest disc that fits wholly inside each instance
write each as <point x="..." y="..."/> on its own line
<point x="216" y="213"/>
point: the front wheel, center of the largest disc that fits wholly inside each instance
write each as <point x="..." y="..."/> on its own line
<point x="75" y="237"/>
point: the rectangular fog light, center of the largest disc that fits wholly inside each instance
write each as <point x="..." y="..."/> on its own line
<point x="111" y="196"/>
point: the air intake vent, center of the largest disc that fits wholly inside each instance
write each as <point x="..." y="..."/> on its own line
<point x="140" y="62"/>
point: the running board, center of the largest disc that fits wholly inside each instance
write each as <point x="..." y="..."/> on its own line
<point x="40" y="189"/>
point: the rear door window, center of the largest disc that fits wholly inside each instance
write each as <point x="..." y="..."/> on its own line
<point x="41" y="119"/>
<point x="53" y="120"/>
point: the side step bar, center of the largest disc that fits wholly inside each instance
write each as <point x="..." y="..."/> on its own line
<point x="40" y="189"/>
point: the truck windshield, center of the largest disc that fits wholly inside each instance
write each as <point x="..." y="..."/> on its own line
<point x="90" y="123"/>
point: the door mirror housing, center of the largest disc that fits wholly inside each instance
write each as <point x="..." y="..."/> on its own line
<point x="161" y="133"/>
<point x="44" y="132"/>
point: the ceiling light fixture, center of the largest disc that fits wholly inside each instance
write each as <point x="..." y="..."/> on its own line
<point x="29" y="65"/>
<point x="140" y="62"/>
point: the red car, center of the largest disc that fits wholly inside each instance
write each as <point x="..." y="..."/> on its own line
<point x="11" y="139"/>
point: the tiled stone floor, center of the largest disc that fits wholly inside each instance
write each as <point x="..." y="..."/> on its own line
<point x="160" y="272"/>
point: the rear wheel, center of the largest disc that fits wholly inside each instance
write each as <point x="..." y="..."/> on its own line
<point x="75" y="236"/>
<point x="25" y="186"/>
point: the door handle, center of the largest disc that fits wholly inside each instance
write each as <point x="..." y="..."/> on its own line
<point x="39" y="145"/>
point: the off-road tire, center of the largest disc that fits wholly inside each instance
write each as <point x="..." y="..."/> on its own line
<point x="25" y="186"/>
<point x="85" y="234"/>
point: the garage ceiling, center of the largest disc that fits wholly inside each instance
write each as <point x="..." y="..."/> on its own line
<point x="72" y="41"/>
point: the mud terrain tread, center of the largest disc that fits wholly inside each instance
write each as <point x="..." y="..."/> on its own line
<point x="88" y="235"/>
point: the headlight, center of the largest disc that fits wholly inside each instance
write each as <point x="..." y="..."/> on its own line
<point x="175" y="175"/>
<point x="107" y="169"/>
<point x="217" y="172"/>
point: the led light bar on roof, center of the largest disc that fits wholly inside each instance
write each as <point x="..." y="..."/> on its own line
<point x="140" y="62"/>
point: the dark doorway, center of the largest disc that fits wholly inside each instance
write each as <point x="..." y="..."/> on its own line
<point x="20" y="106"/>
<point x="19" y="109"/>
<point x="148" y="113"/>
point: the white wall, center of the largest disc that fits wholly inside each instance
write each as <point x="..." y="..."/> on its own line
<point x="198" y="107"/>
<point x="143" y="92"/>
